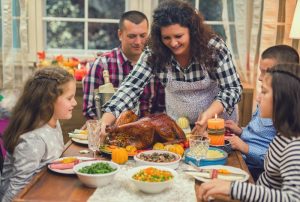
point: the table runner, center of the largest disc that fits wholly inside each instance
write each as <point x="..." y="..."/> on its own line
<point x="122" y="189"/>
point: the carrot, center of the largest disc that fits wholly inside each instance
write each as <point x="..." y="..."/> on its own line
<point x="224" y="171"/>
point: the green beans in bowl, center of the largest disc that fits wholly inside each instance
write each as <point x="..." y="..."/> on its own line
<point x="96" y="173"/>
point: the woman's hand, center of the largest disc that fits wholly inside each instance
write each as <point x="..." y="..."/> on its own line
<point x="238" y="144"/>
<point x="208" y="189"/>
<point x="106" y="120"/>
<point x="233" y="127"/>
<point x="216" y="107"/>
<point x="201" y="125"/>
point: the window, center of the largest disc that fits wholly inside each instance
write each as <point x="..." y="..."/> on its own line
<point x="81" y="24"/>
<point x="212" y="11"/>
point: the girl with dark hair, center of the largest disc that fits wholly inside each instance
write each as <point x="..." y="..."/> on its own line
<point x="279" y="100"/>
<point x="193" y="64"/>
<point x="33" y="137"/>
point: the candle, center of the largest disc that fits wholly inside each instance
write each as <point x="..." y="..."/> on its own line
<point x="215" y="123"/>
<point x="215" y="127"/>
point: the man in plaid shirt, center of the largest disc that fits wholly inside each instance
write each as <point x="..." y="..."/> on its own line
<point x="133" y="33"/>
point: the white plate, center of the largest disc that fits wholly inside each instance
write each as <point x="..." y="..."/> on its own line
<point x="230" y="168"/>
<point x="67" y="171"/>
<point x="80" y="141"/>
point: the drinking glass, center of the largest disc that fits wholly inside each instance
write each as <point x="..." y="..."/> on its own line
<point x="94" y="128"/>
<point x="198" y="147"/>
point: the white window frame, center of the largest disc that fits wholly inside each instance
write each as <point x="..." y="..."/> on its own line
<point x="141" y="5"/>
<point x="37" y="35"/>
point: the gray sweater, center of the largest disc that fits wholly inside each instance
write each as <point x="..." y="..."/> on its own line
<point x="34" y="150"/>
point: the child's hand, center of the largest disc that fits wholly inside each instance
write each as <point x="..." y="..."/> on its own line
<point x="238" y="144"/>
<point x="231" y="125"/>
<point x="206" y="190"/>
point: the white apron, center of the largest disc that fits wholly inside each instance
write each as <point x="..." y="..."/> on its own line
<point x="190" y="98"/>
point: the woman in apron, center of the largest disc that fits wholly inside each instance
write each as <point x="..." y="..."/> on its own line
<point x="193" y="64"/>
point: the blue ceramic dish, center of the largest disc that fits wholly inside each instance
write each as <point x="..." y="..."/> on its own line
<point x="206" y="162"/>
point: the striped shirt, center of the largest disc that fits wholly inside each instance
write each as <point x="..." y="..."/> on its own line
<point x="281" y="179"/>
<point x="151" y="101"/>
<point x="225" y="74"/>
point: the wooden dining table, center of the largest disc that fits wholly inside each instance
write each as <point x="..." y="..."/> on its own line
<point x="50" y="186"/>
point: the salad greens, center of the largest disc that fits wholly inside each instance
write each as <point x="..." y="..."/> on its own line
<point x="97" y="168"/>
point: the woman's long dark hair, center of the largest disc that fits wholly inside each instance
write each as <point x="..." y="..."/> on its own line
<point x="35" y="106"/>
<point x="286" y="99"/>
<point x="179" y="12"/>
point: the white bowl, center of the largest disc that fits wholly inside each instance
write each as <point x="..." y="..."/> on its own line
<point x="173" y="164"/>
<point x="95" y="180"/>
<point x="151" y="187"/>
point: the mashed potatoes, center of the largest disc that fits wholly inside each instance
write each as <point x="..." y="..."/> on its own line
<point x="214" y="154"/>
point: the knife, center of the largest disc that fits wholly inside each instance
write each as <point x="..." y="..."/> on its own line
<point x="213" y="173"/>
<point x="73" y="160"/>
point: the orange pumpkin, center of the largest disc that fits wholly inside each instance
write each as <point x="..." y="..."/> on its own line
<point x="176" y="148"/>
<point x="131" y="149"/>
<point x="119" y="155"/>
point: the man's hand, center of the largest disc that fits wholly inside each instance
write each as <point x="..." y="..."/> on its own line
<point x="233" y="127"/>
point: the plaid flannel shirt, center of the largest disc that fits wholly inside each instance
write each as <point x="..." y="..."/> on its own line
<point x="225" y="74"/>
<point x="152" y="99"/>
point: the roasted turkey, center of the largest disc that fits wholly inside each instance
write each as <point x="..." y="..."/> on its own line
<point x="143" y="133"/>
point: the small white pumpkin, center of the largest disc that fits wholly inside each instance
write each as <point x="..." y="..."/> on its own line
<point x="183" y="122"/>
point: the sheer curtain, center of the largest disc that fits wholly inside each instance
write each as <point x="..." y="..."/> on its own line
<point x="276" y="24"/>
<point x="14" y="68"/>
<point x="244" y="35"/>
<point x="258" y="24"/>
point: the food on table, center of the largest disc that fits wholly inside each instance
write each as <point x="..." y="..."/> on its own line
<point x="214" y="154"/>
<point x="131" y="149"/>
<point x="62" y="166"/>
<point x="158" y="157"/>
<point x="119" y="155"/>
<point x="97" y="168"/>
<point x="176" y="148"/>
<point x="216" y="131"/>
<point x="68" y="160"/>
<point x="158" y="146"/>
<point x="186" y="144"/>
<point x="64" y="163"/>
<point x="79" y="134"/>
<point x="109" y="148"/>
<point x="84" y="151"/>
<point x="143" y="133"/>
<point x="153" y="175"/>
<point x="183" y="122"/>
<point x="78" y="131"/>
<point x="211" y="154"/>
